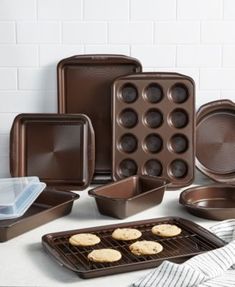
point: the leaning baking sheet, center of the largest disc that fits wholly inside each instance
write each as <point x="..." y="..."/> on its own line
<point x="84" y="86"/>
<point x="193" y="240"/>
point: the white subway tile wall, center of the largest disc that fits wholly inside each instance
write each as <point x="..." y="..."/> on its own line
<point x="195" y="37"/>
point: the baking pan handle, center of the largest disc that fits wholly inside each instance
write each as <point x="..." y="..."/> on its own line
<point x="56" y="257"/>
<point x="215" y="103"/>
<point x="91" y="192"/>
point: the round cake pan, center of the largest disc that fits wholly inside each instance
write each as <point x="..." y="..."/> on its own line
<point x="215" y="141"/>
<point x="215" y="202"/>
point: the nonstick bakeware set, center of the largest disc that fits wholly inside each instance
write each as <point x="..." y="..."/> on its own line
<point x="116" y="123"/>
<point x="193" y="240"/>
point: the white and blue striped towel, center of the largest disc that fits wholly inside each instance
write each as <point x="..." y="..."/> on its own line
<point x="211" y="269"/>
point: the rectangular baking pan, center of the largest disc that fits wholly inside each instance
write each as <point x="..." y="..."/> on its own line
<point x="154" y="127"/>
<point x="129" y="196"/>
<point x="50" y="204"/>
<point x="193" y="240"/>
<point x="84" y="86"/>
<point x="59" y="149"/>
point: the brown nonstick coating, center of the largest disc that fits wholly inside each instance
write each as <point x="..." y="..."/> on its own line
<point x="211" y="201"/>
<point x="59" y="149"/>
<point x="129" y="196"/>
<point x="193" y="240"/>
<point x="153" y="126"/>
<point x="215" y="140"/>
<point x="50" y="205"/>
<point x="84" y="86"/>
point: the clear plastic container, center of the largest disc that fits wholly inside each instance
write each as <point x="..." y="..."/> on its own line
<point x="17" y="195"/>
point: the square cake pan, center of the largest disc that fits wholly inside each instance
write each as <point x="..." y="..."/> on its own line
<point x="192" y="241"/>
<point x="154" y="126"/>
<point x="50" y="204"/>
<point x="129" y="196"/>
<point x="84" y="86"/>
<point x="59" y="149"/>
<point x="215" y="202"/>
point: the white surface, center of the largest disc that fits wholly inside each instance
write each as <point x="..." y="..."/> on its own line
<point x="194" y="37"/>
<point x="24" y="262"/>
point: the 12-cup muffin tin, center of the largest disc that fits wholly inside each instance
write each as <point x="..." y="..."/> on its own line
<point x="153" y="126"/>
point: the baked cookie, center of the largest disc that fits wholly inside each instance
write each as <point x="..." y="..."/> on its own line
<point x="145" y="247"/>
<point x="126" y="234"/>
<point x="166" y="230"/>
<point x="104" y="255"/>
<point x="84" y="239"/>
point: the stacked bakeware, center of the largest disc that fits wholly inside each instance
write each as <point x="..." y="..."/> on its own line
<point x="61" y="149"/>
<point x="215" y="153"/>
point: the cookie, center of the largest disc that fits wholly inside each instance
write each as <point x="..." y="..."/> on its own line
<point x="84" y="239"/>
<point x="104" y="255"/>
<point x="145" y="247"/>
<point x="166" y="230"/>
<point x="126" y="234"/>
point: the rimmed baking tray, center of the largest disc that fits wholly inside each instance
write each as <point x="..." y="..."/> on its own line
<point x="215" y="140"/>
<point x="215" y="202"/>
<point x="154" y="126"/>
<point x="59" y="149"/>
<point x="193" y="240"/>
<point x="84" y="86"/>
<point x="130" y="195"/>
<point x="50" y="204"/>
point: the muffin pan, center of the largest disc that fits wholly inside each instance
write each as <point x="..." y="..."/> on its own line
<point x="59" y="149"/>
<point x="153" y="126"/>
<point x="193" y="240"/>
<point x="215" y="202"/>
<point x="215" y="141"/>
<point x="84" y="86"/>
<point x="130" y="195"/>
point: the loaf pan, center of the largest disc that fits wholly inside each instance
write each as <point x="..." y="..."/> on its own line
<point x="59" y="149"/>
<point x="84" y="86"/>
<point x="153" y="127"/>
<point x="50" y="205"/>
<point x="193" y="240"/>
<point x="129" y="196"/>
<point x="215" y="140"/>
<point x="215" y="202"/>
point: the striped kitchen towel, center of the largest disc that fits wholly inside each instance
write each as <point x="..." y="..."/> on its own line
<point x="211" y="269"/>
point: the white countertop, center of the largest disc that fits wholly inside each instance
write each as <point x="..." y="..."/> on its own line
<point x="24" y="262"/>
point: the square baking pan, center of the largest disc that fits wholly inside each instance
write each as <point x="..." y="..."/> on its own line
<point x="59" y="149"/>
<point x="154" y="127"/>
<point x="193" y="240"/>
<point x="129" y="196"/>
<point x="50" y="204"/>
<point x="84" y="86"/>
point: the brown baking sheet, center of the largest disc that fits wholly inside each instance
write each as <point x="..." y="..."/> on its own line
<point x="153" y="126"/>
<point x="214" y="201"/>
<point x="84" y="86"/>
<point x="192" y="241"/>
<point x="59" y="149"/>
<point x="215" y="140"/>
<point x="50" y="204"/>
